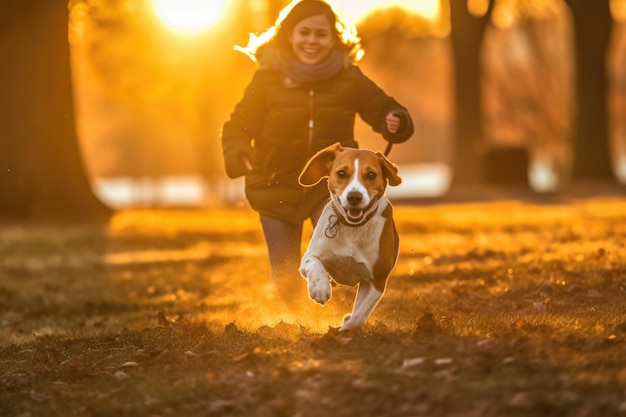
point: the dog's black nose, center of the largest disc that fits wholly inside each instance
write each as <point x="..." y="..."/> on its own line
<point x="354" y="198"/>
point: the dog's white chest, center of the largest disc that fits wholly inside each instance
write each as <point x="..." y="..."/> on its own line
<point x="348" y="253"/>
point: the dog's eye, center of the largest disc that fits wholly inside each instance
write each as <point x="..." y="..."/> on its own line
<point x="342" y="174"/>
<point x="371" y="176"/>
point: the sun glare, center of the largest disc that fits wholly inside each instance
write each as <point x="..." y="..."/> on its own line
<point x="356" y="11"/>
<point x="189" y="17"/>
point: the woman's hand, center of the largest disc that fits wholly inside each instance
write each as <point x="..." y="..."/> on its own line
<point x="393" y="122"/>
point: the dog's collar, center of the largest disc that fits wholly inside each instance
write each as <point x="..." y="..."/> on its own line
<point x="333" y="220"/>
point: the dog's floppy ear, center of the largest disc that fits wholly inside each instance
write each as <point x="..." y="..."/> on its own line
<point x="318" y="166"/>
<point x="390" y="169"/>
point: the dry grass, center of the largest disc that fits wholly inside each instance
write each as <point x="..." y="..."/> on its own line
<point x="495" y="309"/>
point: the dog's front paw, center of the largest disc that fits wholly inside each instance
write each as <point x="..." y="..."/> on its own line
<point x="319" y="291"/>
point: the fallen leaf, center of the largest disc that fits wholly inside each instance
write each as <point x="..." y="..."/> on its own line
<point x="364" y="384"/>
<point x="218" y="406"/>
<point x="286" y="328"/>
<point x="446" y="375"/>
<point x="148" y="400"/>
<point x="508" y="360"/>
<point x="231" y="328"/>
<point x="120" y="375"/>
<point x="408" y="363"/>
<point x="240" y="357"/>
<point x="345" y="340"/>
<point x="594" y="294"/>
<point x="518" y="324"/>
<point x="246" y="355"/>
<point x="38" y="396"/>
<point x="483" y="343"/>
<point x="427" y="323"/>
<point x="74" y="363"/>
<point x="521" y="400"/>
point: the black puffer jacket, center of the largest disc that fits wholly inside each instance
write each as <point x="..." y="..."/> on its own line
<point x="279" y="125"/>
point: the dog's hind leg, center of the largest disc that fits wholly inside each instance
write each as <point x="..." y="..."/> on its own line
<point x="366" y="299"/>
<point x="313" y="270"/>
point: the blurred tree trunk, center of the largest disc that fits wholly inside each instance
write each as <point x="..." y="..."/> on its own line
<point x="592" y="26"/>
<point x="42" y="176"/>
<point x="467" y="34"/>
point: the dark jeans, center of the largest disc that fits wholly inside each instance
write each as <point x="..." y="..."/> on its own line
<point x="283" y="242"/>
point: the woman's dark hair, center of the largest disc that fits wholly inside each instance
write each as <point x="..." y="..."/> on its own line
<point x="302" y="10"/>
<point x="267" y="46"/>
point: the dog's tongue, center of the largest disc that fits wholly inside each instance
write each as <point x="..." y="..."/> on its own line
<point x="355" y="214"/>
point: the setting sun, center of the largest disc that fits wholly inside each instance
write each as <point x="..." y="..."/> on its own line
<point x="189" y="17"/>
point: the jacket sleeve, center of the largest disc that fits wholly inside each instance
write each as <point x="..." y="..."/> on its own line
<point x="375" y="104"/>
<point x="243" y="126"/>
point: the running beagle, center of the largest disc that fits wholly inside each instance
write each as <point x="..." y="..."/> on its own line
<point x="355" y="240"/>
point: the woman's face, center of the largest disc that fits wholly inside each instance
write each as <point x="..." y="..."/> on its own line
<point x="312" y="39"/>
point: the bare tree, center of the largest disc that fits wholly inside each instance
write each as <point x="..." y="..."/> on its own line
<point x="42" y="176"/>
<point x="467" y="32"/>
<point x="592" y="27"/>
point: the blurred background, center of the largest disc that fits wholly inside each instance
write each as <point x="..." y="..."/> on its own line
<point x="154" y="80"/>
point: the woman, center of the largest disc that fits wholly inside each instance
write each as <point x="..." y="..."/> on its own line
<point x="303" y="97"/>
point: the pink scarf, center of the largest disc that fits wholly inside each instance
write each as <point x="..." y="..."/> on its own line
<point x="306" y="73"/>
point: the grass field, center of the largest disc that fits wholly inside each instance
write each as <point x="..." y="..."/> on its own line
<point x="495" y="309"/>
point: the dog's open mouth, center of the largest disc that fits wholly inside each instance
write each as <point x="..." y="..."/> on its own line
<point x="355" y="215"/>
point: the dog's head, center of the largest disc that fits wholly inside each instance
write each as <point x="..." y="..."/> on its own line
<point x="357" y="178"/>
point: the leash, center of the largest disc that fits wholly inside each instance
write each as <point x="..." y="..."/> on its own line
<point x="388" y="149"/>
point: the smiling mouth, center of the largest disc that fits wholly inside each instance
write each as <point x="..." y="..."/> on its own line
<point x="352" y="216"/>
<point x="355" y="215"/>
<point x="310" y="52"/>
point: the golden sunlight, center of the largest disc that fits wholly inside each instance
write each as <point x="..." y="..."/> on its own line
<point x="618" y="10"/>
<point x="189" y="17"/>
<point x="356" y="11"/>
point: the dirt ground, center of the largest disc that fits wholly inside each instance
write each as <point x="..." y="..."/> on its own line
<point x="496" y="308"/>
